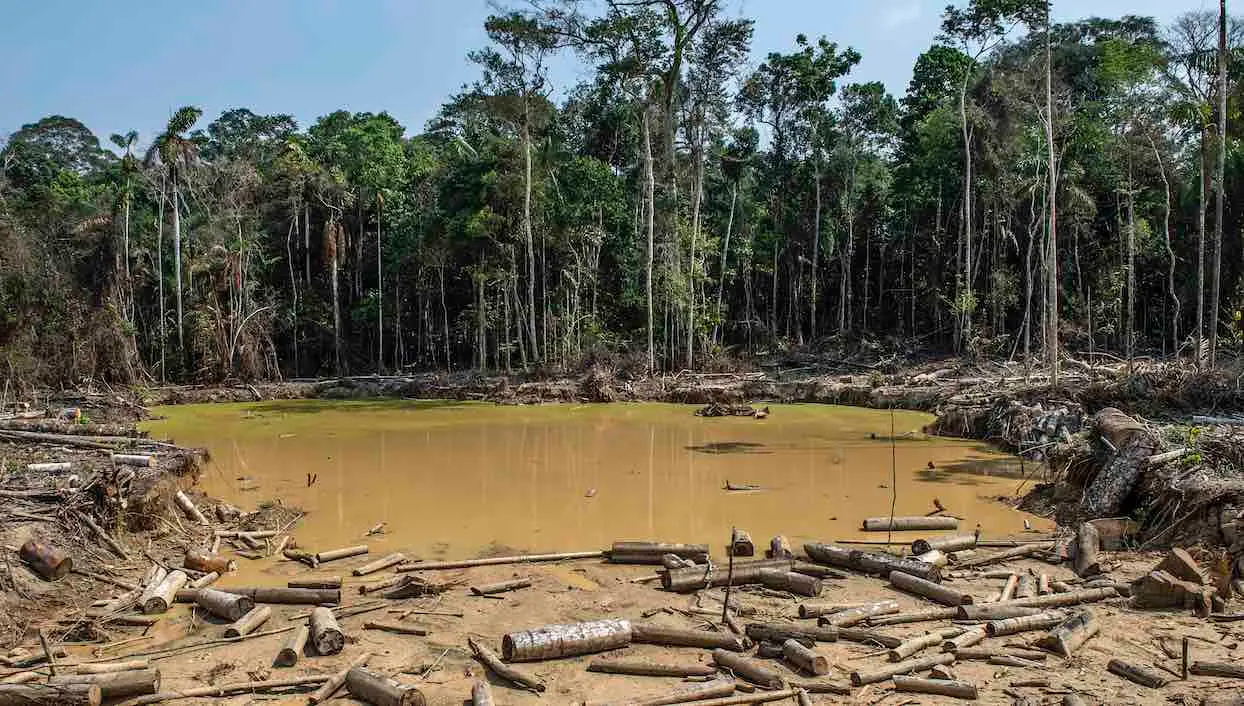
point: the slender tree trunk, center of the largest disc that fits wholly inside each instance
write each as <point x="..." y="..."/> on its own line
<point x="306" y="242"/>
<point x="293" y="284"/>
<point x="696" y="200"/>
<point x="177" y="263"/>
<point x="965" y="302"/>
<point x="444" y="317"/>
<point x="1130" y="344"/>
<point x="160" y="282"/>
<point x="649" y="226"/>
<point x="379" y="286"/>
<point x="527" y="235"/>
<point x="129" y="279"/>
<point x="1052" y="241"/>
<point x="333" y="270"/>
<point x="721" y="275"/>
<point x="1221" y="186"/>
<point x="1200" y="250"/>
<point x="816" y="249"/>
<point x="1170" y="252"/>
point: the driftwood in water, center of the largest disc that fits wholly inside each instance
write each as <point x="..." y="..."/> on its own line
<point x="747" y="669"/>
<point x="326" y="634"/>
<point x="935" y="592"/>
<point x="499" y="560"/>
<point x="937" y="687"/>
<point x="1227" y="670"/>
<point x="1133" y="445"/>
<point x="187" y="506"/>
<point x="954" y="543"/>
<point x="247" y="624"/>
<point x="489" y="589"/>
<point x="330" y="687"/>
<point x="805" y="658"/>
<point x="1070" y="634"/>
<point x="651" y="552"/>
<point x="227" y="606"/>
<point x="207" y="563"/>
<point x="676" y="637"/>
<point x="115" y="685"/>
<point x="902" y="524"/>
<point x="861" y="678"/>
<point x="291" y="651"/>
<point x="343" y="553"/>
<point x="47" y="561"/>
<point x="779" y="548"/>
<point x="162" y="597"/>
<point x="48" y="695"/>
<point x="854" y="616"/>
<point x="1087" y="544"/>
<point x="1026" y="623"/>
<point x="781" y="632"/>
<point x="649" y="668"/>
<point x="501" y="669"/>
<point x="372" y="688"/>
<point x="557" y="641"/>
<point x="378" y="565"/>
<point x="481" y="694"/>
<point x="1137" y="673"/>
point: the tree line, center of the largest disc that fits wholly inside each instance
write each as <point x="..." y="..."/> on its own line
<point x="1040" y="188"/>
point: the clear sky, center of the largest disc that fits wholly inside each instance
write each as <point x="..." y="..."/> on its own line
<point x="127" y="64"/>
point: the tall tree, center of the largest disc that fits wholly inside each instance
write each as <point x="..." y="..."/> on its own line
<point x="176" y="153"/>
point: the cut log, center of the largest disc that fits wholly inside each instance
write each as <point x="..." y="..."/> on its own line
<point x="207" y="563"/>
<point x="398" y="580"/>
<point x="1043" y="585"/>
<point x="155" y="576"/>
<point x="326" y="635"/>
<point x="883" y="565"/>
<point x="247" y="624"/>
<point x="60" y="467"/>
<point x="817" y="570"/>
<point x="1226" y="670"/>
<point x="916" y="644"/>
<point x="779" y="548"/>
<point x="966" y="639"/>
<point x="984" y="654"/>
<point x="781" y="632"/>
<point x="699" y="694"/>
<point x="648" y="633"/>
<point x="936" y="687"/>
<point x="1180" y="564"/>
<point x="807" y="611"/>
<point x="953" y="543"/>
<point x="1055" y="600"/>
<point x="234" y="534"/>
<point x="747" y="669"/>
<point x="829" y="554"/>
<point x="869" y="637"/>
<point x="1159" y="589"/>
<point x="1008" y="589"/>
<point x="673" y="561"/>
<point x="48" y="695"/>
<point x="805" y="658"/>
<point x="203" y="581"/>
<point x="397" y="628"/>
<point x="854" y="616"/>
<point x="741" y="543"/>
<point x="115" y="685"/>
<point x="489" y="589"/>
<point x="278" y="595"/>
<point x="651" y="552"/>
<point x="1026" y="587"/>
<point x="1133" y="445"/>
<point x="919" y="616"/>
<point x="503" y="670"/>
<point x="45" y="560"/>
<point x="111" y="667"/>
<point x="790" y="582"/>
<point x="903" y="524"/>
<point x="187" y="506"/>
<point x="696" y="578"/>
<point x="481" y="694"/>
<point x="372" y="688"/>
<point x="935" y="557"/>
<point x="343" y="553"/>
<point x="498" y="561"/>
<point x="649" y="668"/>
<point x="139" y="460"/>
<point x="378" y="565"/>
<point x="226" y="606"/>
<point x="1004" y="555"/>
<point x="1071" y="634"/>
<point x="1087" y="544"/>
<point x="329" y="582"/>
<point x="1012" y="626"/>
<point x="162" y="597"/>
<point x="911" y="666"/>
<point x="291" y="651"/>
<point x="330" y="687"/>
<point x="934" y="592"/>
<point x="1137" y="674"/>
<point x="557" y="641"/>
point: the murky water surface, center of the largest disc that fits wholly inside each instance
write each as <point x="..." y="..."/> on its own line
<point x="451" y="479"/>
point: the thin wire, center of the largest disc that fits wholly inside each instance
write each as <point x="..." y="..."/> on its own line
<point x="893" y="478"/>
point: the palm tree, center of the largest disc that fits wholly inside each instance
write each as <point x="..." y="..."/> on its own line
<point x="128" y="167"/>
<point x="175" y="153"/>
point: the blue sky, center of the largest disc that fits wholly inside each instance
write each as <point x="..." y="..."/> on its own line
<point x="127" y="64"/>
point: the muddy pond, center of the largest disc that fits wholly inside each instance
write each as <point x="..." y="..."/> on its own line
<point x="453" y="479"/>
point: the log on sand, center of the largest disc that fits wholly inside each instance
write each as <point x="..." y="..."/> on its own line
<point x="48" y="695"/>
<point x="697" y="694"/>
<point x="1026" y="623"/>
<point x="503" y="670"/>
<point x="481" y="694"/>
<point x="935" y="592"/>
<point x="648" y="633"/>
<point x="937" y="687"/>
<point x="1133" y="445"/>
<point x="1069" y="635"/>
<point x="396" y="628"/>
<point x="1228" y="670"/>
<point x="902" y="524"/>
<point x="918" y="616"/>
<point x="291" y="651"/>
<point x="557" y="641"/>
<point x="334" y="682"/>
<point x="984" y="654"/>
<point x="247" y="624"/>
<point x="916" y="644"/>
<point x="953" y="543"/>
<point x="790" y="582"/>
<point x="649" y="668"/>
<point x="805" y="658"/>
<point x="490" y="589"/>
<point x="227" y="606"/>
<point x="1137" y="674"/>
<point x="859" y="678"/>
<point x="115" y="685"/>
<point x="330" y="582"/>
<point x="224" y="690"/>
<point x="203" y="581"/>
<point x="326" y="634"/>
<point x="372" y="688"/>
<point x="854" y="616"/>
<point x="500" y="560"/>
<point x="994" y="611"/>
<point x="781" y="632"/>
<point x="162" y="597"/>
<point x="747" y="669"/>
<point x="111" y="667"/>
<point x="1005" y="555"/>
<point x="277" y="594"/>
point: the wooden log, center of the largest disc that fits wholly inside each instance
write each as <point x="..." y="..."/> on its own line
<point x="330" y="687"/>
<point x="247" y="624"/>
<point x="916" y="644"/>
<point x="1087" y="544"/>
<point x="807" y="568"/>
<point x="255" y="534"/>
<point x="741" y="543"/>
<point x="378" y="565"/>
<point x="648" y="633"/>
<point x="28" y="677"/>
<point x="984" y="654"/>
<point x="747" y="669"/>
<point x="557" y="641"/>
<point x="58" y="467"/>
<point x="325" y="582"/>
<point x="935" y="557"/>
<point x="868" y="637"/>
<point x="227" y="606"/>
<point x="854" y="616"/>
<point x="673" y="561"/>
<point x="498" y="561"/>
<point x="967" y="639"/>
<point x="343" y="553"/>
<point x="807" y="611"/>
<point x="372" y="688"/>
<point x="1004" y="555"/>
<point x="398" y="580"/>
<point x="911" y="666"/>
<point x="995" y="611"/>
<point x="45" y="560"/>
<point x="936" y="687"/>
<point x="1073" y="699"/>
<point x="1026" y="623"/>
<point x="189" y="508"/>
<point x="115" y="685"/>
<point x="805" y="658"/>
<point x="950" y="544"/>
<point x="688" y="580"/>
<point x="903" y="524"/>
<point x="928" y="589"/>
<point x="1008" y="589"/>
<point x="1133" y="445"/>
<point x="162" y="597"/>
<point x="278" y="595"/>
<point x="1070" y="634"/>
<point x="652" y="552"/>
<point x="1043" y="585"/>
<point x="37" y="658"/>
<point x="781" y="632"/>
<point x="769" y="650"/>
<point x="1010" y="661"/>
<point x="49" y="695"/>
<point x="104" y="616"/>
<point x="779" y="548"/>
<point x="1226" y="670"/>
<point x="1055" y="600"/>
<point x="821" y="686"/>
<point x="1137" y="674"/>
<point x="203" y="581"/>
<point x="326" y="635"/>
<point x="649" y="668"/>
<point x="397" y="628"/>
<point x="919" y="616"/>
<point x="759" y="697"/>
<point x="224" y="690"/>
<point x="883" y="564"/>
<point x="207" y="563"/>
<point x="291" y="651"/>
<point x="481" y="694"/>
<point x="139" y="460"/>
<point x="155" y="576"/>
<point x="104" y="537"/>
<point x="503" y="670"/>
<point x="489" y="589"/>
<point x="790" y="582"/>
<point x="111" y="667"/>
<point x="699" y="694"/>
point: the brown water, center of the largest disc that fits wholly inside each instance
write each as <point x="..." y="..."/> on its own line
<point x="451" y="479"/>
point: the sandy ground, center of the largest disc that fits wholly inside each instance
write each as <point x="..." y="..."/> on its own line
<point x="441" y="665"/>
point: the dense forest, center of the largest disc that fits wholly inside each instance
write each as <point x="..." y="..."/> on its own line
<point x="1040" y="187"/>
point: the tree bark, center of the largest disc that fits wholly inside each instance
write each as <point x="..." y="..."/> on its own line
<point x="649" y="227"/>
<point x="1220" y="186"/>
